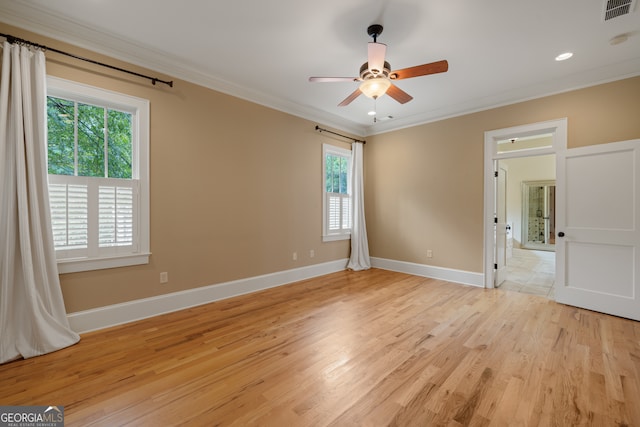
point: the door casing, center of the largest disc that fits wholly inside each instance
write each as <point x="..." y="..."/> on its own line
<point x="558" y="131"/>
<point x="501" y="226"/>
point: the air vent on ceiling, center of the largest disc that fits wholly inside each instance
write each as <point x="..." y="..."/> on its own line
<point x="616" y="8"/>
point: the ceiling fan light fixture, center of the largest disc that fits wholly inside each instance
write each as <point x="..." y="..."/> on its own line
<point x="376" y="75"/>
<point x="375" y="87"/>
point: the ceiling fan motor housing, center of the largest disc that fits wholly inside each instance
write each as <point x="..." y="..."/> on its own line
<point x="365" y="73"/>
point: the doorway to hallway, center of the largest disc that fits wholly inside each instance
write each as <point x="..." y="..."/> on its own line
<point x="503" y="209"/>
<point x="528" y="200"/>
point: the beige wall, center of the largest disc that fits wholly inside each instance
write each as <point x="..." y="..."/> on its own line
<point x="424" y="184"/>
<point x="235" y="188"/>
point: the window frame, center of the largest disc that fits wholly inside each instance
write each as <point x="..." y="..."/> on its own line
<point x="139" y="108"/>
<point x="342" y="234"/>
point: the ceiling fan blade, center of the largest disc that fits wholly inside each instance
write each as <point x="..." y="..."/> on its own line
<point x="333" y="79"/>
<point x="350" y="98"/>
<point x="398" y="94"/>
<point x="375" y="59"/>
<point x="420" y="70"/>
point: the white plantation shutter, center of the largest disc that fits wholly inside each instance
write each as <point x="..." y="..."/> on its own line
<point x="73" y="201"/>
<point x="115" y="216"/>
<point x="333" y="206"/>
<point x="346" y="212"/>
<point x="69" y="215"/>
<point x="338" y="212"/>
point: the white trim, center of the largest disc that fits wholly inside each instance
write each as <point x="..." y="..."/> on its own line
<point x="440" y="273"/>
<point x="117" y="314"/>
<point x="74" y="265"/>
<point x="558" y="129"/>
<point x="335" y="237"/>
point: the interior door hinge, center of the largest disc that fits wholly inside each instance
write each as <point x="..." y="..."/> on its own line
<point x="495" y="266"/>
<point x="495" y="173"/>
<point x="495" y="220"/>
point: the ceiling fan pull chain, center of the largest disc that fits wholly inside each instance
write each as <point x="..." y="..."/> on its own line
<point x="375" y="110"/>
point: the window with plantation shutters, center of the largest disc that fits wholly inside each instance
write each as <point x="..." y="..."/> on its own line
<point x="98" y="176"/>
<point x="337" y="194"/>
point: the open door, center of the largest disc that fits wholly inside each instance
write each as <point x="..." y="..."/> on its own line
<point x="501" y="225"/>
<point x="598" y="228"/>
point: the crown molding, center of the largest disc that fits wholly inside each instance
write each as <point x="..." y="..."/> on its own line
<point x="45" y="23"/>
<point x="576" y="81"/>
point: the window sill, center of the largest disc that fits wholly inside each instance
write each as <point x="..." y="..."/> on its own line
<point x="334" y="237"/>
<point x="75" y="265"/>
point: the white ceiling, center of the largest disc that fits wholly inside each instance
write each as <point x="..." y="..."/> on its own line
<point x="499" y="51"/>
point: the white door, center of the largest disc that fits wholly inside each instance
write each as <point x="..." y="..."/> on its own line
<point x="501" y="225"/>
<point x="598" y="228"/>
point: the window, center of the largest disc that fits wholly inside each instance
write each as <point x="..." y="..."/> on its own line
<point x="337" y="193"/>
<point x="98" y="145"/>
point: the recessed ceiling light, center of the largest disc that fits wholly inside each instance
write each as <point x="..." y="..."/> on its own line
<point x="621" y="38"/>
<point x="371" y="113"/>
<point x="564" y="56"/>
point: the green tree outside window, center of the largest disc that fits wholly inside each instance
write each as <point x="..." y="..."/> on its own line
<point x="83" y="139"/>
<point x="336" y="174"/>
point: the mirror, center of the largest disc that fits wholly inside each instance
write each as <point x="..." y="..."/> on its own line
<point x="538" y="215"/>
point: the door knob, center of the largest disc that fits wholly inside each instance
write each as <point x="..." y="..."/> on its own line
<point x="561" y="234"/>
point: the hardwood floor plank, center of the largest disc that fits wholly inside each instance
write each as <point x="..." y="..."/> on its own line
<point x="351" y="348"/>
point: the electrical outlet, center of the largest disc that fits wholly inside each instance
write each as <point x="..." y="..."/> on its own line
<point x="429" y="253"/>
<point x="164" y="277"/>
<point x="295" y="256"/>
<point x="312" y="253"/>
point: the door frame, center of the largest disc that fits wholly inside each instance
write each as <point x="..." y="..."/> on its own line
<point x="558" y="131"/>
<point x="500" y="228"/>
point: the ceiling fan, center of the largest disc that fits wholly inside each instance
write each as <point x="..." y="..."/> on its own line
<point x="376" y="74"/>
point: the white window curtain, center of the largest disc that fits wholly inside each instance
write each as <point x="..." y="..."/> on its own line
<point x="33" y="320"/>
<point x="359" y="259"/>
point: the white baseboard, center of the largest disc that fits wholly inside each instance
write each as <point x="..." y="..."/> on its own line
<point x="112" y="315"/>
<point x="448" y="274"/>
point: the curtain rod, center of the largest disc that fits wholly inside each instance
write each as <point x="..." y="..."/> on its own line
<point x="13" y="39"/>
<point x="319" y="129"/>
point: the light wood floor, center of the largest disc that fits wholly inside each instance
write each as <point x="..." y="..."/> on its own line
<point x="371" y="348"/>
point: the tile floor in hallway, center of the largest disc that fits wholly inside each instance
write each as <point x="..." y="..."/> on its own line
<point x="531" y="272"/>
